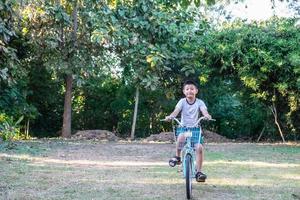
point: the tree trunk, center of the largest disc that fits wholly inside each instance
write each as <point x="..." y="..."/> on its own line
<point x="135" y="113"/>
<point x="66" y="130"/>
<point x="262" y="131"/>
<point x="274" y="111"/>
<point x="27" y="130"/>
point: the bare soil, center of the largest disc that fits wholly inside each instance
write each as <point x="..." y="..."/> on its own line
<point x="209" y="137"/>
<point x="80" y="169"/>
<point x="104" y="135"/>
<point x="97" y="135"/>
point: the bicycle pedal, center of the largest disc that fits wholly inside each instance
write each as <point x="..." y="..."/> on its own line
<point x="200" y="180"/>
<point x="172" y="163"/>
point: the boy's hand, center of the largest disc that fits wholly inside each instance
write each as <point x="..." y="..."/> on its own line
<point x="208" y="116"/>
<point x="169" y="118"/>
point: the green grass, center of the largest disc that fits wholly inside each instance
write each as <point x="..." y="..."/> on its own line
<point x="62" y="169"/>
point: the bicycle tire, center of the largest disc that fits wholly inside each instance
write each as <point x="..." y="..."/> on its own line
<point x="188" y="176"/>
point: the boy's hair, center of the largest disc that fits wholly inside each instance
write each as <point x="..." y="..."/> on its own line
<point x="190" y="82"/>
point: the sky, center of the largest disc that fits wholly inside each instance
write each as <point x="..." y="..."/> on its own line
<point x="259" y="10"/>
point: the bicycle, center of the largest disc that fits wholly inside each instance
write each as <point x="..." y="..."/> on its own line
<point x="193" y="136"/>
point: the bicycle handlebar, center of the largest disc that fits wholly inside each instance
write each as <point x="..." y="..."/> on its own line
<point x="198" y="121"/>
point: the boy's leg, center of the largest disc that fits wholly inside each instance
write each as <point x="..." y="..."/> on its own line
<point x="200" y="177"/>
<point x="179" y="144"/>
<point x="177" y="158"/>
<point x="199" y="156"/>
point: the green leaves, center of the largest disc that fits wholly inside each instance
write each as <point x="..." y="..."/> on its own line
<point x="152" y="40"/>
<point x="9" y="128"/>
<point x="197" y="3"/>
<point x="266" y="59"/>
<point x="150" y="82"/>
<point x="188" y="70"/>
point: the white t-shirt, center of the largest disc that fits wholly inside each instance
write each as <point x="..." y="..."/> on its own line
<point x="190" y="112"/>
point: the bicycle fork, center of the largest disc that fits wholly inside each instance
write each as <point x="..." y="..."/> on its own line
<point x="188" y="151"/>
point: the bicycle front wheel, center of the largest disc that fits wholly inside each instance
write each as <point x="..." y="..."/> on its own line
<point x="188" y="176"/>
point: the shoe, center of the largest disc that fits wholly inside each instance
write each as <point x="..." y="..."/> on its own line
<point x="200" y="177"/>
<point x="175" y="161"/>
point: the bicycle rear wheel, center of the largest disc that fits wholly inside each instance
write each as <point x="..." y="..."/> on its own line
<point x="188" y="176"/>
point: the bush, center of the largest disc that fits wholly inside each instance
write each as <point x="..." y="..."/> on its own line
<point x="10" y="129"/>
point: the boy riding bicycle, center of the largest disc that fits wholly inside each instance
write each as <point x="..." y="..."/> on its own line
<point x="190" y="106"/>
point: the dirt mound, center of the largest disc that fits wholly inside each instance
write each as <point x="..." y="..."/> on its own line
<point x="162" y="137"/>
<point x="209" y="136"/>
<point x="95" y="135"/>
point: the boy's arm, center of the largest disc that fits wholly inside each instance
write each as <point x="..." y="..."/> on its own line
<point x="205" y="112"/>
<point x="173" y="114"/>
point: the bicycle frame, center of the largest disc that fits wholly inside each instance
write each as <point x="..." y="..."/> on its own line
<point x="188" y="152"/>
<point x="188" y="148"/>
<point x="192" y="138"/>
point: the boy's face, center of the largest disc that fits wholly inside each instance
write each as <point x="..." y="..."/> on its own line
<point x="190" y="91"/>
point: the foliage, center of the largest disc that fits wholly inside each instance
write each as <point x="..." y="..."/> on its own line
<point x="13" y="73"/>
<point x="152" y="40"/>
<point x="232" y="110"/>
<point x="107" y="104"/>
<point x="148" y="37"/>
<point x="8" y="58"/>
<point x="242" y="69"/>
<point x="264" y="58"/>
<point x="10" y="129"/>
<point x="47" y="98"/>
<point x="64" y="37"/>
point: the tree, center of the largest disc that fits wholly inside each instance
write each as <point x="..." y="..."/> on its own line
<point x="8" y="56"/>
<point x="152" y="40"/>
<point x="264" y="56"/>
<point x="13" y="74"/>
<point x="60" y="30"/>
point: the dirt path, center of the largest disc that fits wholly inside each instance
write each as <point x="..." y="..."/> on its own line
<point x="56" y="169"/>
